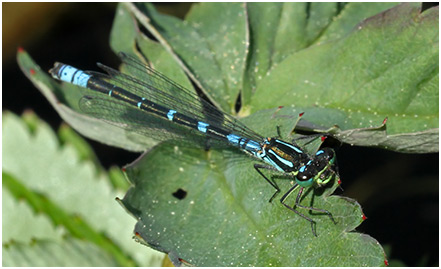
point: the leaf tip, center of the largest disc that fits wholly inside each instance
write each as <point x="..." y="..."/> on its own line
<point x="20" y="49"/>
<point x="185" y="262"/>
<point x="138" y="238"/>
<point x="277" y="110"/>
<point x="386" y="262"/>
<point x="364" y="217"/>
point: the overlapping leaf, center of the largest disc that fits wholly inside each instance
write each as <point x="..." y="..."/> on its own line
<point x="53" y="180"/>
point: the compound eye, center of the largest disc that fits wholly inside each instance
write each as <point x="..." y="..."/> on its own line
<point x="305" y="177"/>
<point x="304" y="172"/>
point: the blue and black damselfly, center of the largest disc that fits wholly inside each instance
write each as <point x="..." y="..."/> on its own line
<point x="149" y="103"/>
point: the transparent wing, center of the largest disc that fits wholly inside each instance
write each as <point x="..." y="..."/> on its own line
<point x="148" y="83"/>
<point x="139" y="121"/>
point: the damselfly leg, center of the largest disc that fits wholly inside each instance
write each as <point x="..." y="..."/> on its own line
<point x="271" y="181"/>
<point x="297" y="204"/>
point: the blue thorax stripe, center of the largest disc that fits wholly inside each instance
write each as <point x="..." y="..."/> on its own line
<point x="273" y="163"/>
<point x="290" y="146"/>
<point x="284" y="161"/>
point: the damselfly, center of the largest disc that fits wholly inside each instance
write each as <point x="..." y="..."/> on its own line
<point x="149" y="103"/>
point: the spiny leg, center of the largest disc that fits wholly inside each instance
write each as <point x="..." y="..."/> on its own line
<point x="285" y="196"/>
<point x="299" y="195"/>
<point x="270" y="181"/>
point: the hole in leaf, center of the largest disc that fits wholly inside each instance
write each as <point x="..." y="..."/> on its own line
<point x="180" y="194"/>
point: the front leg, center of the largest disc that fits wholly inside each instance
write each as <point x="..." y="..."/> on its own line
<point x="285" y="196"/>
<point x="299" y="197"/>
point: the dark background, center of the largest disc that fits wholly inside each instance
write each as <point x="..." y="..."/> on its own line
<point x="398" y="192"/>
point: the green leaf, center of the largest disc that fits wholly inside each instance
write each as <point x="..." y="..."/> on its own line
<point x="70" y="252"/>
<point x="350" y="15"/>
<point x="124" y="31"/>
<point x="16" y="217"/>
<point x="211" y="209"/>
<point x="386" y="67"/>
<point x="116" y="176"/>
<point x="65" y="97"/>
<point x="85" y="151"/>
<point x="162" y="61"/>
<point x="158" y="57"/>
<point x="74" y="224"/>
<point x="69" y="136"/>
<point x="312" y="60"/>
<point x="54" y="181"/>
<point x="211" y="45"/>
<point x="281" y="29"/>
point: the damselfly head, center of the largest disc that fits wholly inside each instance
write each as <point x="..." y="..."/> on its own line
<point x="317" y="171"/>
